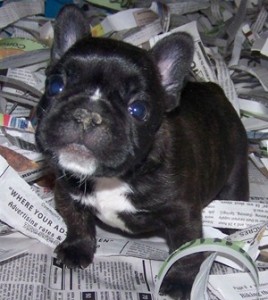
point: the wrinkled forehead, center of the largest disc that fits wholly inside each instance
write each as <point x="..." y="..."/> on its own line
<point x="94" y="64"/>
<point x="109" y="54"/>
<point x="103" y="65"/>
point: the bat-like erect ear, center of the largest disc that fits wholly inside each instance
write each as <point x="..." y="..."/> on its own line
<point x="173" y="56"/>
<point x="70" y="26"/>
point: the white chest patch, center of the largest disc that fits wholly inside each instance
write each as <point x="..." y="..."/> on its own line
<point x="109" y="199"/>
<point x="97" y="95"/>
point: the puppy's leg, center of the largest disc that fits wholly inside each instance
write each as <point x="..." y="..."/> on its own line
<point x="78" y="249"/>
<point x="237" y="185"/>
<point x="179" y="279"/>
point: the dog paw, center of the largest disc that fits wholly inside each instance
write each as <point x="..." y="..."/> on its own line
<point x="76" y="253"/>
<point x="175" y="289"/>
<point x="179" y="279"/>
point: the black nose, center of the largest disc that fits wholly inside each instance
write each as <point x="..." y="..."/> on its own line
<point x="87" y="118"/>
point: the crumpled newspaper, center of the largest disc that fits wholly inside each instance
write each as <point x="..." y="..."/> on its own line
<point x="231" y="48"/>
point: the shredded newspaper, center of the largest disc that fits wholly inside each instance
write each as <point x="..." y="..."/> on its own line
<point x="231" y="49"/>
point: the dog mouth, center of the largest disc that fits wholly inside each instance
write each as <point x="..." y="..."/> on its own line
<point x="77" y="159"/>
<point x="76" y="149"/>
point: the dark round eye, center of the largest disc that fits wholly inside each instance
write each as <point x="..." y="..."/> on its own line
<point x="139" y="110"/>
<point x="55" y="85"/>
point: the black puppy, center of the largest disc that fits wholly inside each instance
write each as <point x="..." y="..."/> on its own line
<point x="133" y="144"/>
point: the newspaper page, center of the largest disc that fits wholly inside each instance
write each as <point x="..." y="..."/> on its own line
<point x="239" y="286"/>
<point x="39" y="275"/>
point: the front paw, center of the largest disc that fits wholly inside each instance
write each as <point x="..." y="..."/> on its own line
<point x="76" y="252"/>
<point x="175" y="288"/>
<point x="179" y="279"/>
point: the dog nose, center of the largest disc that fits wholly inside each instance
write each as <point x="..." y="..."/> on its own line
<point x="87" y="118"/>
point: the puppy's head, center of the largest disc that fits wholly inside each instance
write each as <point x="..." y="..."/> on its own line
<point x="105" y="99"/>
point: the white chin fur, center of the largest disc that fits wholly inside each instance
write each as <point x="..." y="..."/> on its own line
<point x="77" y="164"/>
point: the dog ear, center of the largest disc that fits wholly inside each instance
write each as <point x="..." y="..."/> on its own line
<point x="173" y="56"/>
<point x="70" y="26"/>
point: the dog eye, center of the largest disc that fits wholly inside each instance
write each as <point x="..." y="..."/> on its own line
<point x="138" y="110"/>
<point x="55" y="85"/>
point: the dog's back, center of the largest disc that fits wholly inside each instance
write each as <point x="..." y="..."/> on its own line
<point x="214" y="142"/>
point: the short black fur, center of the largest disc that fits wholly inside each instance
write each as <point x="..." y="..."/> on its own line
<point x="188" y="148"/>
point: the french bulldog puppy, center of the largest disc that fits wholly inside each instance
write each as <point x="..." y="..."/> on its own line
<point x="134" y="144"/>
